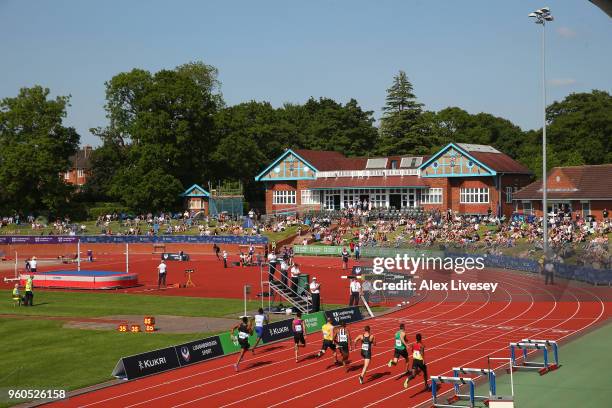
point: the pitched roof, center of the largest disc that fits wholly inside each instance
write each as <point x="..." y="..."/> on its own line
<point x="322" y="160"/>
<point x="367" y="182"/>
<point x="574" y="183"/>
<point x="500" y="162"/>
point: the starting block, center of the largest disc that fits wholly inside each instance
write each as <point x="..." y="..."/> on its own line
<point x="457" y="382"/>
<point x="543" y="345"/>
<point x="478" y="371"/>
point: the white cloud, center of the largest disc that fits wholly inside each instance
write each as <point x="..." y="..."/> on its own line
<point x="561" y="82"/>
<point x="566" y="32"/>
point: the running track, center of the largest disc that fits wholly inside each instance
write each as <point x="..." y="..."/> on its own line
<point x="459" y="328"/>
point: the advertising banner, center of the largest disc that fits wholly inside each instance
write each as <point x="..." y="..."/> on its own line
<point x="230" y="345"/>
<point x="199" y="350"/>
<point x="314" y="321"/>
<point x="168" y="256"/>
<point x="152" y="362"/>
<point x="118" y="239"/>
<point x="346" y="315"/>
<point x="277" y="331"/>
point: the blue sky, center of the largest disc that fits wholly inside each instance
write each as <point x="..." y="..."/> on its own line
<point x="483" y="56"/>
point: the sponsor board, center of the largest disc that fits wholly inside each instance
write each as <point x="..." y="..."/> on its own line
<point x="277" y="331"/>
<point x="230" y="345"/>
<point x="144" y="364"/>
<point x="118" y="239"/>
<point x="172" y="256"/>
<point x="199" y="350"/>
<point x="346" y="315"/>
<point x="314" y="321"/>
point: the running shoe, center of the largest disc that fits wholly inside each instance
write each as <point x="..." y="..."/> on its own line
<point x="236" y="367"/>
<point x="406" y="382"/>
<point x="390" y="363"/>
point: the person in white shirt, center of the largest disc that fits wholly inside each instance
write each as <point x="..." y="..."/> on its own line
<point x="271" y="266"/>
<point x="260" y="320"/>
<point x="284" y="268"/>
<point x="225" y="259"/>
<point x="355" y="289"/>
<point x="161" y="268"/>
<point x="33" y="264"/>
<point x="295" y="274"/>
<point x="315" y="288"/>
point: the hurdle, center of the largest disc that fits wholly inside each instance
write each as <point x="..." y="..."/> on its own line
<point x="479" y="371"/>
<point x="543" y="345"/>
<point x="456" y="381"/>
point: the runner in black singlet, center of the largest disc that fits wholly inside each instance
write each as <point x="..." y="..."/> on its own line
<point x="367" y="341"/>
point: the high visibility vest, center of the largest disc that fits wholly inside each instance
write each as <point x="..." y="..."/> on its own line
<point x="15" y="292"/>
<point x="28" y="285"/>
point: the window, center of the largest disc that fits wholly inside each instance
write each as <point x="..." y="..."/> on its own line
<point x="310" y="197"/>
<point x="67" y="175"/>
<point x="527" y="207"/>
<point x="394" y="164"/>
<point x="80" y="173"/>
<point x="283" y="197"/>
<point x="508" y="195"/>
<point x="474" y="195"/>
<point x="431" y="196"/>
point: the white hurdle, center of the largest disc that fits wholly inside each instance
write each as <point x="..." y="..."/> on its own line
<point x="490" y="374"/>
<point x="543" y="345"/>
<point x="456" y="381"/>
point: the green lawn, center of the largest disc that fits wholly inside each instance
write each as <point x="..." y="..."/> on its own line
<point x="41" y="354"/>
<point x="582" y="381"/>
<point x="51" y="303"/>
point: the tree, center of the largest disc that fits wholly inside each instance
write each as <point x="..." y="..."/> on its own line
<point x="400" y="129"/>
<point x="161" y="127"/>
<point x="35" y="149"/>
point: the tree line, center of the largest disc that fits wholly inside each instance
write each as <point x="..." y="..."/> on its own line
<point x="170" y="129"/>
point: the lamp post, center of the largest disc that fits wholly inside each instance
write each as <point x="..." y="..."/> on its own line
<point x="542" y="16"/>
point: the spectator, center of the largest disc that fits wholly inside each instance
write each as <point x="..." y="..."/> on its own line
<point x="315" y="294"/>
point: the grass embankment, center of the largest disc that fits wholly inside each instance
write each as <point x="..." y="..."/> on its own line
<point x="116" y="227"/>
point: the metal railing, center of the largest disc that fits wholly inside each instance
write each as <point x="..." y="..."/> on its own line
<point x="302" y="303"/>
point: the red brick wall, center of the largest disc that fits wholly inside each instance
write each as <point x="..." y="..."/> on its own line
<point x="74" y="179"/>
<point x="278" y="186"/>
<point x="597" y="207"/>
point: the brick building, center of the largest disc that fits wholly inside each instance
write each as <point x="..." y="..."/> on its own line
<point x="80" y="168"/>
<point x="586" y="190"/>
<point x="470" y="179"/>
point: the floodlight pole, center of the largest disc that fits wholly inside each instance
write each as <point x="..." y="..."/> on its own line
<point x="542" y="16"/>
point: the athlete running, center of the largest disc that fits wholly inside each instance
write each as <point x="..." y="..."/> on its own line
<point x="418" y="362"/>
<point x="245" y="328"/>
<point x="260" y="320"/>
<point x="400" y="349"/>
<point x="367" y="341"/>
<point x="343" y="340"/>
<point x="299" y="330"/>
<point x="328" y="339"/>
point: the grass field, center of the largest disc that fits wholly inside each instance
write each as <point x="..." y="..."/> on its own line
<point x="42" y="353"/>
<point x="582" y="381"/>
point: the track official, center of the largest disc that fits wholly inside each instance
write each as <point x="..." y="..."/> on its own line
<point x="315" y="294"/>
<point x="355" y="289"/>
<point x="161" y="269"/>
<point x="29" y="295"/>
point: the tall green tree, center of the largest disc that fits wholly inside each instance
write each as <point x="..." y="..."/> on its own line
<point x="35" y="148"/>
<point x="161" y="133"/>
<point x="401" y="130"/>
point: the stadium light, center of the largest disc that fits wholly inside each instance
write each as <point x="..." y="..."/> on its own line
<point x="541" y="17"/>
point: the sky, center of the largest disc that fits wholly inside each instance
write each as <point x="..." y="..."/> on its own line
<point x="482" y="56"/>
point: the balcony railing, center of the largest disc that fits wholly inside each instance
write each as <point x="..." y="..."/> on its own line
<point x="367" y="173"/>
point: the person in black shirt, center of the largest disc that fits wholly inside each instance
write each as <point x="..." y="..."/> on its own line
<point x="245" y="329"/>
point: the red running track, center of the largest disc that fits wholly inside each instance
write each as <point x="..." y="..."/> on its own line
<point x="459" y="329"/>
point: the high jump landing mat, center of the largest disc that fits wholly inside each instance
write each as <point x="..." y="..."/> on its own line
<point x="84" y="279"/>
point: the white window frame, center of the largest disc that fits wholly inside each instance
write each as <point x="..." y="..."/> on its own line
<point x="281" y="197"/>
<point x="310" y="197"/>
<point x="432" y="196"/>
<point x="80" y="173"/>
<point x="474" y="195"/>
<point x="527" y="207"/>
<point x="67" y="175"/>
